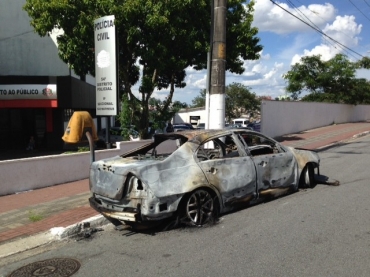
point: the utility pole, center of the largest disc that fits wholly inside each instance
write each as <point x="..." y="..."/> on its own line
<point x="216" y="115"/>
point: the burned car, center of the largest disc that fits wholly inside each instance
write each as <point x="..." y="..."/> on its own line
<point x="193" y="175"/>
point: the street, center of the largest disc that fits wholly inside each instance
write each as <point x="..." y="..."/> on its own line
<point x="324" y="231"/>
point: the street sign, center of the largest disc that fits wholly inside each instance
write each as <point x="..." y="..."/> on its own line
<point x="105" y="66"/>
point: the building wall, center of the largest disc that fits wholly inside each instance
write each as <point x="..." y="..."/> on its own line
<point x="288" y="117"/>
<point x="23" y="52"/>
<point x="183" y="116"/>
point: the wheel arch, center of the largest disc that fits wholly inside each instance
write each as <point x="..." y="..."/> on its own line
<point x="309" y="166"/>
<point x="212" y="190"/>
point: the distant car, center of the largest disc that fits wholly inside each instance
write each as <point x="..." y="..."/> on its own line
<point x="116" y="134"/>
<point x="236" y="126"/>
<point x="182" y="127"/>
<point x="242" y="122"/>
<point x="201" y="126"/>
<point x="255" y="126"/>
<point x="191" y="176"/>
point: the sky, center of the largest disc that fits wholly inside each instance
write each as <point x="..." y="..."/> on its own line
<point x="285" y="39"/>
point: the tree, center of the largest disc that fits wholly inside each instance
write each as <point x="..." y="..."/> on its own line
<point x="328" y="81"/>
<point x="239" y="100"/>
<point x="162" y="36"/>
<point x="200" y="100"/>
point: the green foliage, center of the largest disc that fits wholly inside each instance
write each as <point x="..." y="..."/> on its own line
<point x="328" y="81"/>
<point x="129" y="115"/>
<point x="158" y="117"/>
<point x="164" y="37"/>
<point x="83" y="148"/>
<point x="34" y="216"/>
<point x="200" y="100"/>
<point x="239" y="100"/>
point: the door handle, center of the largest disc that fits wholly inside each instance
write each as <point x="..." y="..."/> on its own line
<point x="262" y="163"/>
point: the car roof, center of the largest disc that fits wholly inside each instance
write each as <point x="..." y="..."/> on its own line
<point x="200" y="135"/>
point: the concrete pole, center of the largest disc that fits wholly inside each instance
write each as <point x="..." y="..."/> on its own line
<point x="218" y="67"/>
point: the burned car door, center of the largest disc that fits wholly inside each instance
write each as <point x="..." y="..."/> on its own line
<point x="275" y="166"/>
<point x="228" y="168"/>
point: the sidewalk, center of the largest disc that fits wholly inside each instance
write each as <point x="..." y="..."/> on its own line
<point x="66" y="205"/>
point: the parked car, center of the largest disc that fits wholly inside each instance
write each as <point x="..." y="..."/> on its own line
<point x="116" y="134"/>
<point x="256" y="126"/>
<point x="194" y="175"/>
<point x="201" y="126"/>
<point x="242" y="122"/>
<point x="182" y="127"/>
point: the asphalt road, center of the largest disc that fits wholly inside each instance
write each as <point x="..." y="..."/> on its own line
<point x="324" y="231"/>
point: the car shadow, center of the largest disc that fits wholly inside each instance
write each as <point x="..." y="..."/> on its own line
<point x="325" y="180"/>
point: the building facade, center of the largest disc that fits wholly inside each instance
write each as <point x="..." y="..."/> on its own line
<point x="38" y="91"/>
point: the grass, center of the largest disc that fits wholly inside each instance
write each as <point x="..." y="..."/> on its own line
<point x="34" y="216"/>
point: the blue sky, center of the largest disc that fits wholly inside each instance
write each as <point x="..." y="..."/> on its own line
<point x="285" y="40"/>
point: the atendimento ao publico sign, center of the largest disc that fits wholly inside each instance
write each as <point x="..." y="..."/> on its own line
<point x="105" y="66"/>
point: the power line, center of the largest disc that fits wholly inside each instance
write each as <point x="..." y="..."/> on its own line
<point x="367" y="3"/>
<point x="316" y="27"/>
<point x="318" y="30"/>
<point x="328" y="41"/>
<point x="21" y="34"/>
<point x="359" y="9"/>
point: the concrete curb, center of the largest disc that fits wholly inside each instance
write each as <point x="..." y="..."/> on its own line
<point x="361" y="134"/>
<point x="322" y="148"/>
<point x="59" y="233"/>
<point x="54" y="234"/>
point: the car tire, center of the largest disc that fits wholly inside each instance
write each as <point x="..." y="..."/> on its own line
<point x="308" y="176"/>
<point x="199" y="208"/>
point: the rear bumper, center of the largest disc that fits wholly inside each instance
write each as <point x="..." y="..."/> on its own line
<point x="122" y="216"/>
<point x="127" y="216"/>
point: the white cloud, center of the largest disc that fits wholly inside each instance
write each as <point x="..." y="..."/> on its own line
<point x="343" y="30"/>
<point x="272" y="18"/>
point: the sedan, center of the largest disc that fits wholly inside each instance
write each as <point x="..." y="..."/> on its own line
<point x="192" y="176"/>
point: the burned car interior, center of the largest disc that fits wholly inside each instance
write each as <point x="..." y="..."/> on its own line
<point x="226" y="147"/>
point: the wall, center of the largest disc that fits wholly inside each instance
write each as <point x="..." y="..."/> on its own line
<point x="283" y="117"/>
<point x="39" y="172"/>
<point x="33" y="173"/>
<point x="278" y="118"/>
<point x="22" y="51"/>
<point x="183" y="116"/>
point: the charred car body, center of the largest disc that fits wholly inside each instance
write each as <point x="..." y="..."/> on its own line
<point x="194" y="174"/>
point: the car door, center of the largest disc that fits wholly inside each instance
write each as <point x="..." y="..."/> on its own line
<point x="275" y="167"/>
<point x="228" y="168"/>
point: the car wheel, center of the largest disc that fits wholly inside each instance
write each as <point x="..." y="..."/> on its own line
<point x="308" y="176"/>
<point x="199" y="208"/>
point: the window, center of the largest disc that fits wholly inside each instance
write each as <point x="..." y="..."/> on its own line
<point x="259" y="145"/>
<point x="218" y="148"/>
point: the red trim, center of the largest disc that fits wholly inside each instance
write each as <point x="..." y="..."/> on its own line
<point x="29" y="104"/>
<point x="49" y="120"/>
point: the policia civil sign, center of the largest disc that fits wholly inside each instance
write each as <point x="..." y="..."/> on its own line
<point x="105" y="66"/>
